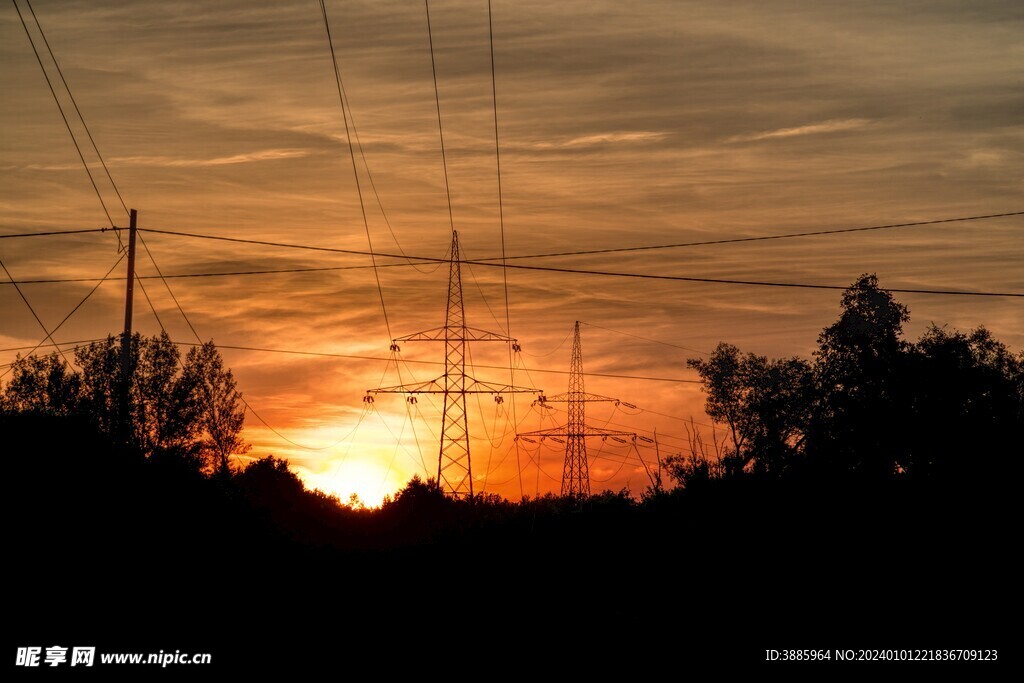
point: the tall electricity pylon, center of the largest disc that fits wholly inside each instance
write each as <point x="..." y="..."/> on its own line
<point x="454" y="468"/>
<point x="576" y="470"/>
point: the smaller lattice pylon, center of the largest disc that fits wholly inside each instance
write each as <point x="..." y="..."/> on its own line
<point x="576" y="469"/>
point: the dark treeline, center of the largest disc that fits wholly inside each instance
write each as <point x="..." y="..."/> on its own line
<point x="860" y="499"/>
<point x="870" y="406"/>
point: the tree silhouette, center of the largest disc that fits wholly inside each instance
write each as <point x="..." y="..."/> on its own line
<point x="870" y="405"/>
<point x="968" y="399"/>
<point x="270" y="481"/>
<point x="860" y="395"/>
<point x="190" y="409"/>
<point x="158" y="420"/>
<point x="763" y="404"/>
<point x="42" y="384"/>
<point x="216" y="404"/>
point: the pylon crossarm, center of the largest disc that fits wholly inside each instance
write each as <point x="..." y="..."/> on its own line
<point x="581" y="396"/>
<point x="476" y="386"/>
<point x="436" y="386"/>
<point x="433" y="386"/>
<point x="465" y="334"/>
<point x="564" y="432"/>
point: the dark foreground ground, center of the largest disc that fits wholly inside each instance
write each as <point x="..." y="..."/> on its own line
<point x="106" y="550"/>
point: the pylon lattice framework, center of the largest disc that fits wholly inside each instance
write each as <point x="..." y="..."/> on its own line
<point x="454" y="466"/>
<point x="576" y="470"/>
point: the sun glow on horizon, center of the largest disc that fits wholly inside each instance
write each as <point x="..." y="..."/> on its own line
<point x="371" y="479"/>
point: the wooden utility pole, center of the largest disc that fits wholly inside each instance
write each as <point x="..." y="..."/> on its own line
<point x="127" y="371"/>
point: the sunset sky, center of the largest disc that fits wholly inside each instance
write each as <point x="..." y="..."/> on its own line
<point x="620" y="124"/>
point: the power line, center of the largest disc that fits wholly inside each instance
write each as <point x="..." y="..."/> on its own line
<point x="50" y="233"/>
<point x="541" y="470"/>
<point x="440" y="128"/>
<point x="479" y="262"/>
<point x="171" y="276"/>
<point x="355" y="171"/>
<point x="68" y="316"/>
<point x="580" y="271"/>
<point x="497" y="466"/>
<point x="323" y="354"/>
<point x="398" y="446"/>
<point x="622" y="464"/>
<point x="637" y="336"/>
<point x="74" y="346"/>
<point x="287" y="245"/>
<point x="77" y="306"/>
<point x="168" y="288"/>
<point x="77" y="110"/>
<point x="180" y="275"/>
<point x="81" y="118"/>
<point x="67" y="343"/>
<point x="412" y="425"/>
<point x="159" y="322"/>
<point x="373" y="185"/>
<point x="752" y="283"/>
<point x="609" y="250"/>
<point x="662" y="437"/>
<point x="626" y="249"/>
<point x="763" y="238"/>
<point x="480" y="290"/>
<point x="53" y="92"/>
<point x="43" y="281"/>
<point x="540" y="268"/>
<point x="686" y="420"/>
<point x="545" y="355"/>
<point x="497" y="146"/>
<point x="501" y="225"/>
<point x="49" y="334"/>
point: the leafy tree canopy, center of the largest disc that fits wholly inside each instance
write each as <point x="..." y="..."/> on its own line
<point x="189" y="407"/>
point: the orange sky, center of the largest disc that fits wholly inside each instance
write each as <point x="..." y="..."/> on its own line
<point x="621" y="124"/>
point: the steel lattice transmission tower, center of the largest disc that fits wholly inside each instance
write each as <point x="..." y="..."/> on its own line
<point x="576" y="470"/>
<point x="454" y="467"/>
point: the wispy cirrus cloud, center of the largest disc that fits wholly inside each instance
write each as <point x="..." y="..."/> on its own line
<point x="598" y="139"/>
<point x="604" y="138"/>
<point x="831" y="126"/>
<point x="245" y="158"/>
<point x="176" y="162"/>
